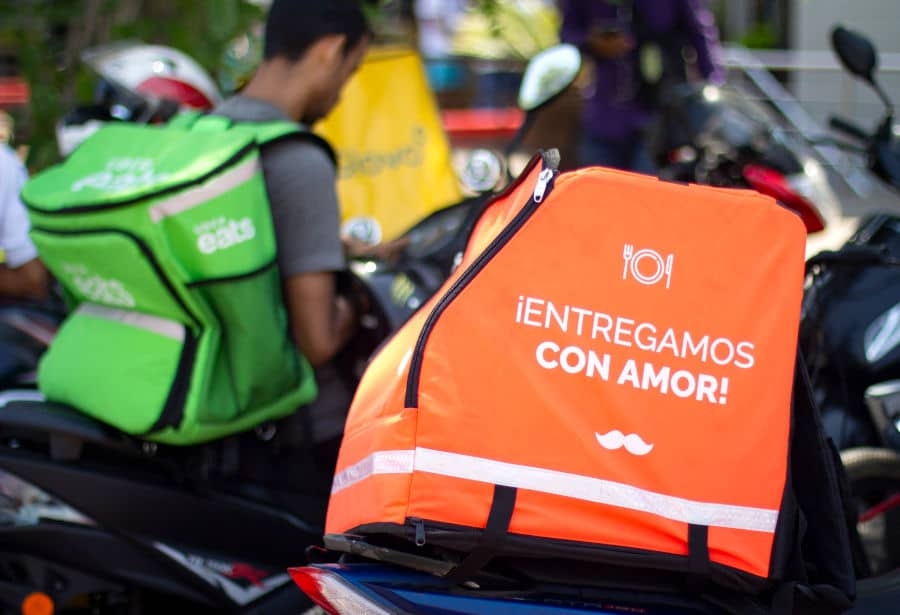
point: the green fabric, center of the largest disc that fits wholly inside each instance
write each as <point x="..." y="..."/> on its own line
<point x="163" y="239"/>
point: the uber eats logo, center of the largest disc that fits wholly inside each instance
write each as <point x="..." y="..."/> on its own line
<point x="223" y="233"/>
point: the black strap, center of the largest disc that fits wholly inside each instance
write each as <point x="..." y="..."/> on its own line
<point x="308" y="137"/>
<point x="698" y="558"/>
<point x="495" y="533"/>
<point x="793" y="598"/>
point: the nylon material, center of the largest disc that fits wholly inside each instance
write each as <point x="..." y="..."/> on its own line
<point x="436" y="497"/>
<point x="118" y="272"/>
<point x="200" y="195"/>
<point x="499" y="214"/>
<point x="162" y="326"/>
<point x="747" y="551"/>
<point x="595" y="490"/>
<point x="557" y="483"/>
<point x="381" y="387"/>
<point x="124" y="161"/>
<point x="118" y="354"/>
<point x="496" y="402"/>
<point x="381" y="499"/>
<point x="536" y="511"/>
<point x="231" y="389"/>
<point x="542" y="390"/>
<point x="383" y="462"/>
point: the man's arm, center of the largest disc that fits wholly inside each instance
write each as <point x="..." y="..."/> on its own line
<point x="301" y="182"/>
<point x="321" y="320"/>
<point x="22" y="275"/>
<point x="28" y="281"/>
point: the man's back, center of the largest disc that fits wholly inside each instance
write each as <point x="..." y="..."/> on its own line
<point x="301" y="184"/>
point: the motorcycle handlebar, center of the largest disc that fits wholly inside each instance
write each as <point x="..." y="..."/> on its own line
<point x="849" y="128"/>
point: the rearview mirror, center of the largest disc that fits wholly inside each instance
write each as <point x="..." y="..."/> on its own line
<point x="548" y="75"/>
<point x="856" y="52"/>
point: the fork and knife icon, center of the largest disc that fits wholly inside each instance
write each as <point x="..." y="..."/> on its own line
<point x="661" y="267"/>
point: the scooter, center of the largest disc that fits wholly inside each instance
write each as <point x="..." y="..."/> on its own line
<point x="850" y="332"/>
<point x="95" y="521"/>
<point x="720" y="136"/>
<point x="373" y="579"/>
<point x="379" y="589"/>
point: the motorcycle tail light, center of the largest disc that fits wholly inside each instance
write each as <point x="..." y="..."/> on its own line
<point x="328" y="590"/>
<point x="775" y="184"/>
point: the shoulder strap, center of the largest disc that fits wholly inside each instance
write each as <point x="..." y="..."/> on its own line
<point x="268" y="133"/>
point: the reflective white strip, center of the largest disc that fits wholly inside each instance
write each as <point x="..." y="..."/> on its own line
<point x="216" y="186"/>
<point x="162" y="326"/>
<point x="574" y="486"/>
<point x="384" y="462"/>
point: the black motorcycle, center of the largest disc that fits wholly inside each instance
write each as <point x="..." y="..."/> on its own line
<point x="95" y="521"/>
<point x="850" y="333"/>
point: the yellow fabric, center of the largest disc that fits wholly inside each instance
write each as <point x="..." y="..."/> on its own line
<point x="395" y="165"/>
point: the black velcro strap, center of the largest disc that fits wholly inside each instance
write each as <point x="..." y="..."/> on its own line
<point x="698" y="558"/>
<point x="495" y="532"/>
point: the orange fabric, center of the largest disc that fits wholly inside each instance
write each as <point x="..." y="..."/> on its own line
<point x="663" y="312"/>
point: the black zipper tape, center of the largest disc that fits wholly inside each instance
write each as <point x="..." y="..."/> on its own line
<point x="415" y="366"/>
<point x="173" y="411"/>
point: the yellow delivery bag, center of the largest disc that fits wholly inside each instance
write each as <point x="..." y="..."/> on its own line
<point x="395" y="164"/>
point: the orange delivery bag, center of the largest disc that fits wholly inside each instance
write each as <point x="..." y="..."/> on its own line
<point x="610" y="377"/>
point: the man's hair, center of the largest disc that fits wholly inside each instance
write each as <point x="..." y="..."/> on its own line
<point x="293" y="26"/>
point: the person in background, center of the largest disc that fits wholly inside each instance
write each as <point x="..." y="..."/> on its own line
<point x="310" y="51"/>
<point x="22" y="275"/>
<point x="638" y="48"/>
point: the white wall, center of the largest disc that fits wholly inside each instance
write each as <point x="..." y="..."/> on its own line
<point x="824" y="93"/>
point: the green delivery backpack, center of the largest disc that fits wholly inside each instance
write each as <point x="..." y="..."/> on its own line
<point x="162" y="239"/>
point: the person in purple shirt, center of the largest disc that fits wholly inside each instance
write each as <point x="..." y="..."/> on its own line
<point x="637" y="48"/>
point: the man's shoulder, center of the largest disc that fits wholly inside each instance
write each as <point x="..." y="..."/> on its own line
<point x="246" y="109"/>
<point x="295" y="165"/>
<point x="303" y="151"/>
<point x="302" y="145"/>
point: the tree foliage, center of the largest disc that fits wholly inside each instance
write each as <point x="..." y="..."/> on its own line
<point x="48" y="36"/>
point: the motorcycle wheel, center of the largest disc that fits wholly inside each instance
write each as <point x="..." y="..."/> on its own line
<point x="874" y="475"/>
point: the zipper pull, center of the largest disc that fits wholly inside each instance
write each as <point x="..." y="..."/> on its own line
<point x="420" y="533"/>
<point x="540" y="189"/>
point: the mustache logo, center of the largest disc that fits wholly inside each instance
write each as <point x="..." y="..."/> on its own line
<point x="615" y="440"/>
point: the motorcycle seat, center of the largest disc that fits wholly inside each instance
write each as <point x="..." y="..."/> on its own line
<point x="877" y="595"/>
<point x="65" y="429"/>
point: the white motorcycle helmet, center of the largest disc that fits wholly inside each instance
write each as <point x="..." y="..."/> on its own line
<point x="137" y="83"/>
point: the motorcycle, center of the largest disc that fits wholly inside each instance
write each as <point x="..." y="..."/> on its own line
<point x="850" y="335"/>
<point x="378" y="580"/>
<point x="850" y="331"/>
<point x="94" y="520"/>
<point x="379" y="589"/>
<point x="720" y="136"/>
